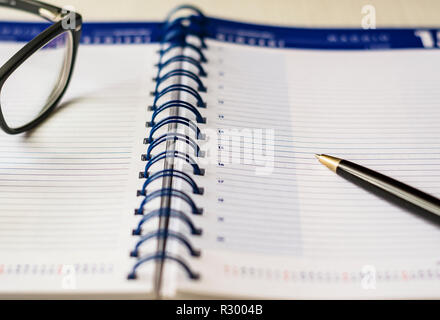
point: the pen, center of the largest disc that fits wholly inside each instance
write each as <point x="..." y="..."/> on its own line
<point x="385" y="187"/>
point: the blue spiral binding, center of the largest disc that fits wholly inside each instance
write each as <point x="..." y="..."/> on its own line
<point x="163" y="256"/>
<point x="170" y="192"/>
<point x="172" y="104"/>
<point x="164" y="234"/>
<point x="181" y="72"/>
<point x="183" y="46"/>
<point x="171" y="172"/>
<point x="182" y="58"/>
<point x="176" y="33"/>
<point x="182" y="88"/>
<point x="198" y="14"/>
<point x="175" y="136"/>
<point x="168" y="212"/>
<point x="173" y="154"/>
<point x="174" y="119"/>
<point x="178" y="29"/>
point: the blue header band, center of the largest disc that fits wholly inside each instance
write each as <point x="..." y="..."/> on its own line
<point x="243" y="33"/>
<point x="319" y="38"/>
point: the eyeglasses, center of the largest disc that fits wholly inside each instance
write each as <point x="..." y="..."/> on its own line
<point x="35" y="78"/>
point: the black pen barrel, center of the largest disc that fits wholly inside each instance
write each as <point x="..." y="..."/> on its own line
<point x="392" y="190"/>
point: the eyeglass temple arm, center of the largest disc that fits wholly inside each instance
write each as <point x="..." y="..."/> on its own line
<point x="42" y="9"/>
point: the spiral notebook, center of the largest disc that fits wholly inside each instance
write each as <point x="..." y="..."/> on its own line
<point x="180" y="162"/>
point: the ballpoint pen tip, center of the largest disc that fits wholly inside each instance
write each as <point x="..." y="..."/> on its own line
<point x="317" y="156"/>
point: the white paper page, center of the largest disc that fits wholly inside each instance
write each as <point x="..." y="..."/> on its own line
<point x="68" y="188"/>
<point x="285" y="226"/>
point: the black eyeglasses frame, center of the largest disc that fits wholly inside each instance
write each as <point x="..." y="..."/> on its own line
<point x="64" y="21"/>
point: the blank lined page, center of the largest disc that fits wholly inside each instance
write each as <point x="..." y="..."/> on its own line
<point x="68" y="188"/>
<point x="291" y="227"/>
